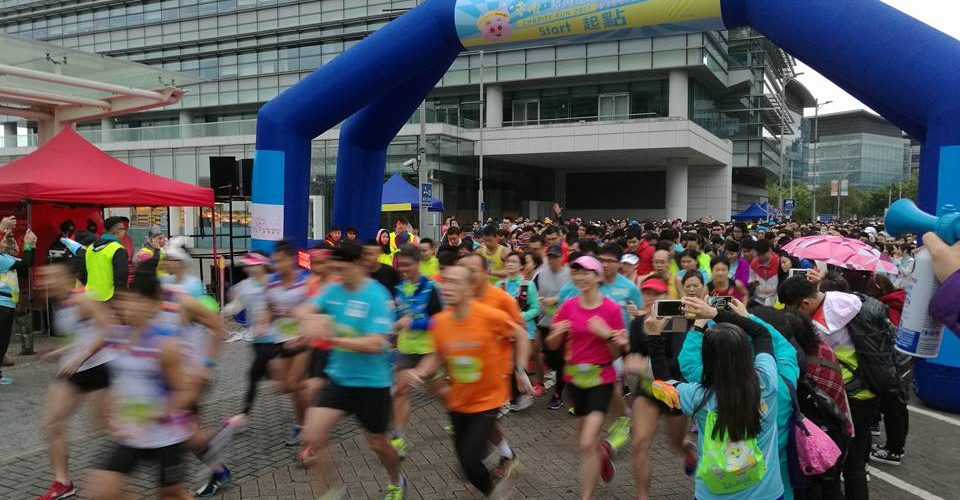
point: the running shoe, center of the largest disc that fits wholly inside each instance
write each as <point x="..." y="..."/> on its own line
<point x="400" y="445"/>
<point x="504" y="411"/>
<point x="397" y="491"/>
<point x="555" y="403"/>
<point x="217" y="482"/>
<point x="537" y="390"/>
<point x="504" y="468"/>
<point x="57" y="491"/>
<point x="619" y="433"/>
<point x="607" y="469"/>
<point x="6" y="380"/>
<point x="449" y="428"/>
<point x="524" y="401"/>
<point x="689" y="458"/>
<point x="295" y="436"/>
<point x="886" y="456"/>
<point x="572" y="411"/>
<point x="305" y="456"/>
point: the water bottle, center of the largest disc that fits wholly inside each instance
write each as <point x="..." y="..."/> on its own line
<point x="919" y="335"/>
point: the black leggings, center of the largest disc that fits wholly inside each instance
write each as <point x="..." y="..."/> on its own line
<point x="7" y="316"/>
<point x="263" y="354"/>
<point x="855" y="463"/>
<point x="471" y="437"/>
<point x="896" y="420"/>
<point x="554" y="359"/>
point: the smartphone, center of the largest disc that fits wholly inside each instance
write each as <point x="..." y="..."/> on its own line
<point x="720" y="303"/>
<point x="668" y="308"/>
<point x="799" y="272"/>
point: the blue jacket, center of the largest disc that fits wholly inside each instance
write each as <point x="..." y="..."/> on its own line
<point x="691" y="365"/>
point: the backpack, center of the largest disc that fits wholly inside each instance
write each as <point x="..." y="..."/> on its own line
<point x="729" y="466"/>
<point x="873" y="337"/>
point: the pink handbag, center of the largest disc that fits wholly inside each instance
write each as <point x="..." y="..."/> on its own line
<point x="816" y="451"/>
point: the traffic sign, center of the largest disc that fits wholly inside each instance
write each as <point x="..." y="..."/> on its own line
<point x="426" y="194"/>
<point x="789" y="205"/>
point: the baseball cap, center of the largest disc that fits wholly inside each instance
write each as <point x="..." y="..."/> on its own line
<point x="556" y="250"/>
<point x="629" y="259"/>
<point x="654" y="284"/>
<point x="589" y="263"/>
<point x="176" y="248"/>
<point x="348" y="251"/>
<point x="255" y="259"/>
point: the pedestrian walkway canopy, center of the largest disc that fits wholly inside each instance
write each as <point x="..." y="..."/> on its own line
<point x="69" y="170"/>
<point x="400" y="196"/>
<point x="54" y="85"/>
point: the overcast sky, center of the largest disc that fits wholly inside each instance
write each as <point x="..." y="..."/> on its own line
<point x="941" y="14"/>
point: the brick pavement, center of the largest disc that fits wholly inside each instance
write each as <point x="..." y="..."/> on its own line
<point x="264" y="468"/>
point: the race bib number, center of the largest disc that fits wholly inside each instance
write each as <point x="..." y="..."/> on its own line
<point x="465" y="369"/>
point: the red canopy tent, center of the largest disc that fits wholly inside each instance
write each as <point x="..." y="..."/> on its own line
<point x="70" y="170"/>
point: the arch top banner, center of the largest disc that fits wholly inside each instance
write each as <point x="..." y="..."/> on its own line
<point x="518" y="23"/>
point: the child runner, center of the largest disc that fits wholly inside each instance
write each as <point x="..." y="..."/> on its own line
<point x="585" y="326"/>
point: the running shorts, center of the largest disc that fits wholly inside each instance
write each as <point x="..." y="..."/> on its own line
<point x="124" y="459"/>
<point x="91" y="379"/>
<point x="587" y="401"/>
<point x="371" y="405"/>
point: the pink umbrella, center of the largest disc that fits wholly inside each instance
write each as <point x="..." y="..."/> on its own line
<point x="844" y="252"/>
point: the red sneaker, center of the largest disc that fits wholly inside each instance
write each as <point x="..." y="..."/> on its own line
<point x="58" y="491"/>
<point x="607" y="470"/>
<point x="538" y="389"/>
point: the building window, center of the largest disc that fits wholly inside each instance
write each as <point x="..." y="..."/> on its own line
<point x="614" y="106"/>
<point x="526" y="111"/>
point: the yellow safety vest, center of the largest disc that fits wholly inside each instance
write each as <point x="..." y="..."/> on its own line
<point x="100" y="271"/>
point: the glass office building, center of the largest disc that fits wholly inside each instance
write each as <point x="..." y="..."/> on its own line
<point x="863" y="148"/>
<point x="694" y="121"/>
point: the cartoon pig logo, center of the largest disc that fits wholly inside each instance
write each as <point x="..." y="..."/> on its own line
<point x="495" y="25"/>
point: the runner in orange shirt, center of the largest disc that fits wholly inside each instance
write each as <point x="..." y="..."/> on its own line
<point x="469" y="337"/>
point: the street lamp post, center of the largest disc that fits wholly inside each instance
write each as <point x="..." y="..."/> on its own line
<point x="482" y="125"/>
<point x="422" y="177"/>
<point x="816" y="154"/>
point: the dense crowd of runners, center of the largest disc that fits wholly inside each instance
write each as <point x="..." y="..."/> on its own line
<point x="770" y="382"/>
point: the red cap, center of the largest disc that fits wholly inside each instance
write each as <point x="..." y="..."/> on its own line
<point x="654" y="284"/>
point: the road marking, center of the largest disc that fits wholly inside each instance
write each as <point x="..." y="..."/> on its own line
<point x="903" y="485"/>
<point x="932" y="414"/>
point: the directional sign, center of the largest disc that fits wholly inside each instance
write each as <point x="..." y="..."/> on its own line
<point x="789" y="205"/>
<point x="426" y="194"/>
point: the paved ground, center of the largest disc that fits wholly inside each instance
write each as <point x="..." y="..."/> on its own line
<point x="264" y="468"/>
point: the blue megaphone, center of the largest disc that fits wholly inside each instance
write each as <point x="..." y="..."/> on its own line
<point x="904" y="217"/>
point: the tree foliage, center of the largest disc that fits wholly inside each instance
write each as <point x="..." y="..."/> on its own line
<point x="859" y="203"/>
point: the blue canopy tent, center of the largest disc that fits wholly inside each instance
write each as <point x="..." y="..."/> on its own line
<point x="400" y="196"/>
<point x="754" y="212"/>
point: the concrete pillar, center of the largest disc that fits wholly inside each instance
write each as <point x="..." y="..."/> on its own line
<point x="677" y="185"/>
<point x="679" y="96"/>
<point x="186" y="118"/>
<point x="494" y="106"/>
<point x="106" y="125"/>
<point x="10" y="134"/>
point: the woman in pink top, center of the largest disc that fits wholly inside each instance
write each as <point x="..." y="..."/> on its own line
<point x="586" y="326"/>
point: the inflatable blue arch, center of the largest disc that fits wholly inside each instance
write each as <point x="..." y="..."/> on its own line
<point x="905" y="70"/>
